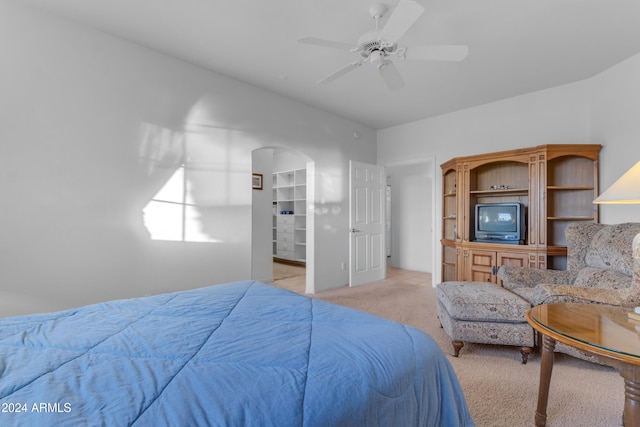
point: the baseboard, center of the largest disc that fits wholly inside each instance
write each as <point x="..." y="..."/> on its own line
<point x="290" y="262"/>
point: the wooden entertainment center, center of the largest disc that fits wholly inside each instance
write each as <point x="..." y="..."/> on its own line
<point x="556" y="184"/>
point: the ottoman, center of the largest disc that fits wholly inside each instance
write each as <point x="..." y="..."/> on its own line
<point x="484" y="313"/>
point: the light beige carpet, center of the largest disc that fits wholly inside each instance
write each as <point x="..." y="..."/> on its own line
<point x="500" y="391"/>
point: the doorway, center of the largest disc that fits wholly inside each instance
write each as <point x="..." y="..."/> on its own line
<point x="282" y="232"/>
<point x="411" y="219"/>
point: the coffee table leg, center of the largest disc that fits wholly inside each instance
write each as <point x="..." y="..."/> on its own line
<point x="631" y="375"/>
<point x="546" y="367"/>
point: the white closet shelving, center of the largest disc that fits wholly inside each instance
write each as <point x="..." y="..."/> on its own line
<point x="290" y="215"/>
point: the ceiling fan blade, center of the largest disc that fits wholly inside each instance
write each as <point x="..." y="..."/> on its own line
<point x="326" y="43"/>
<point x="437" y="53"/>
<point x="403" y="17"/>
<point x="390" y="75"/>
<point x="341" y="72"/>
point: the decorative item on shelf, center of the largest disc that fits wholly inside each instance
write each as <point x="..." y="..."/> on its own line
<point x="626" y="191"/>
<point x="499" y="187"/>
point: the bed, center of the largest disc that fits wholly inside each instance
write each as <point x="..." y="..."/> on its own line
<point x="238" y="354"/>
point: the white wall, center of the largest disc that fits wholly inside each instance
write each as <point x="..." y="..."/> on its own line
<point x="603" y="109"/>
<point x="93" y="126"/>
<point x="616" y="125"/>
<point x="288" y="161"/>
<point x="261" y="217"/>
<point x="558" y="115"/>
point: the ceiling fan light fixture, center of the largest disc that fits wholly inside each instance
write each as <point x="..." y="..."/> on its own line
<point x="377" y="58"/>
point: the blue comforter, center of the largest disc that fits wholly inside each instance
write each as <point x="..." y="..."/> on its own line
<point x="239" y="354"/>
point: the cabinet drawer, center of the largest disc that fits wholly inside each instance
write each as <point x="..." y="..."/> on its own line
<point x="285" y="228"/>
<point x="285" y="246"/>
<point x="285" y="237"/>
<point x="285" y="219"/>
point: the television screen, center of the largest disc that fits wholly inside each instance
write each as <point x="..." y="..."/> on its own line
<point x="498" y="218"/>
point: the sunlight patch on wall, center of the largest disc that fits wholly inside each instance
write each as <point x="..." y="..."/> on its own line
<point x="199" y="176"/>
<point x="172" y="213"/>
<point x="199" y="183"/>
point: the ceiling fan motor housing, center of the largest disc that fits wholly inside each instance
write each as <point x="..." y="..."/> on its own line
<point x="369" y="42"/>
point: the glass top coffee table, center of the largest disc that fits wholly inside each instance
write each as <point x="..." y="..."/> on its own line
<point x="601" y="330"/>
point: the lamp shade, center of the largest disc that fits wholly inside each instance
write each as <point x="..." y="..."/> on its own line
<point x="626" y="190"/>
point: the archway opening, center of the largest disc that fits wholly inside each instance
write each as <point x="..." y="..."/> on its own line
<point x="282" y="227"/>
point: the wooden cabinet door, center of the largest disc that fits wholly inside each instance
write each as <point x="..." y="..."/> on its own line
<point x="480" y="266"/>
<point x="519" y="259"/>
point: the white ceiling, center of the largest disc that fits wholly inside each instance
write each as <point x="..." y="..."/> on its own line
<point x="515" y="46"/>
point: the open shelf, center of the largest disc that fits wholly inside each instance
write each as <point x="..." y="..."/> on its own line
<point x="290" y="209"/>
<point x="499" y="193"/>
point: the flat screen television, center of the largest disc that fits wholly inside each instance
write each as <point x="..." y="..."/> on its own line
<point x="500" y="223"/>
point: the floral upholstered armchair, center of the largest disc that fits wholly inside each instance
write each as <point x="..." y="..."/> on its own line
<point x="601" y="269"/>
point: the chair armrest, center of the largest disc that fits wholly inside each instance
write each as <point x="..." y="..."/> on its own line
<point x="517" y="277"/>
<point x="546" y="293"/>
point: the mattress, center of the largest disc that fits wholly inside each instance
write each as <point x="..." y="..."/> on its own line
<point x="237" y="354"/>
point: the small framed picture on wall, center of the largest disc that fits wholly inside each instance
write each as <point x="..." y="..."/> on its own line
<point x="256" y="181"/>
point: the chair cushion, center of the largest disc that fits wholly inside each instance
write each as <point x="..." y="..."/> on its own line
<point x="590" y="277"/>
<point x="611" y="248"/>
<point x="481" y="301"/>
<point x="528" y="294"/>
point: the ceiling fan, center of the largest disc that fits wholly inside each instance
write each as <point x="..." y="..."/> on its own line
<point x="380" y="45"/>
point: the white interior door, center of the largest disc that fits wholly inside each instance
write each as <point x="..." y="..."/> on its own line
<point x="367" y="253"/>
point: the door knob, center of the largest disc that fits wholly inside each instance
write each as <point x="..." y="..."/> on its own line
<point x="354" y="230"/>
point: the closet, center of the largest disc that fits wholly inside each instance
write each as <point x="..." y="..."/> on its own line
<point x="290" y="215"/>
